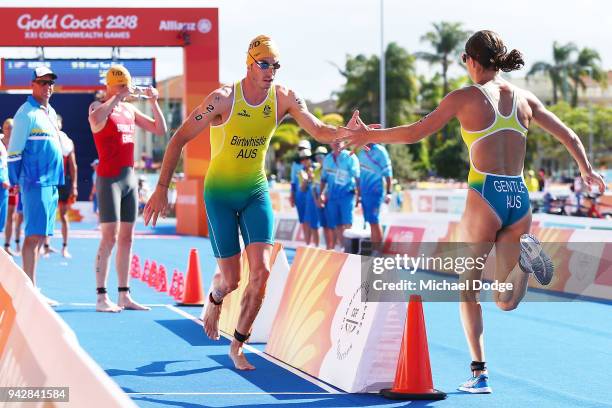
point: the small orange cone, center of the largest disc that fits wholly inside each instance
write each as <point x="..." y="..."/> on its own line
<point x="135" y="267"/>
<point x="180" y="287"/>
<point x="173" y="284"/>
<point x="194" y="294"/>
<point x="162" y="279"/>
<point x="145" y="272"/>
<point x="413" y="375"/>
<point x="152" y="281"/>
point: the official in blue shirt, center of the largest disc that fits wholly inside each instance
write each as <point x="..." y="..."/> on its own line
<point x="36" y="164"/>
<point x="375" y="182"/>
<point x="340" y="186"/>
<point x="298" y="197"/>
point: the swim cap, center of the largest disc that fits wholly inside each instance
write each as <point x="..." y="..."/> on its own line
<point x="261" y="47"/>
<point x="118" y="75"/>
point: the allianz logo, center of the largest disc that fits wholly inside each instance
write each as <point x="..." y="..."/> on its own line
<point x="203" y="25"/>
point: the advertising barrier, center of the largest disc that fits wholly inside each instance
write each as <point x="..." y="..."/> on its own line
<point x="37" y="349"/>
<point x="579" y="247"/>
<point x="325" y="329"/>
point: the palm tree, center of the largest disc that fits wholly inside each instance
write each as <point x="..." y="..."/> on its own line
<point x="362" y="88"/>
<point x="447" y="40"/>
<point x="586" y="65"/>
<point x="286" y="136"/>
<point x="558" y="71"/>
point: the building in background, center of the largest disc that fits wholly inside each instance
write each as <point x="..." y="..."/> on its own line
<point x="541" y="86"/>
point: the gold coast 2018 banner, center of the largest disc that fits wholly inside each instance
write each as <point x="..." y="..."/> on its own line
<point x="107" y="26"/>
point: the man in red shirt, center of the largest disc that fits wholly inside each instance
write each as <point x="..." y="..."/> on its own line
<point x="113" y="123"/>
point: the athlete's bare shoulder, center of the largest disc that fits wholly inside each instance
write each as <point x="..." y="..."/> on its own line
<point x="94" y="105"/>
<point x="528" y="95"/>
<point x="220" y="98"/>
<point x="215" y="106"/>
<point x="458" y="98"/>
<point x="289" y="94"/>
<point x="282" y="90"/>
<point x="224" y="91"/>
<point x="290" y="99"/>
<point x="467" y="91"/>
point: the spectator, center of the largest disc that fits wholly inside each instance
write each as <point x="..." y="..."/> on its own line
<point x="13" y="193"/>
<point x="68" y="191"/>
<point x="375" y="187"/>
<point x="143" y="194"/>
<point x="542" y="180"/>
<point x="328" y="233"/>
<point x="532" y="182"/>
<point x="297" y="196"/>
<point x="311" y="218"/>
<point x="578" y="190"/>
<point x="341" y="178"/>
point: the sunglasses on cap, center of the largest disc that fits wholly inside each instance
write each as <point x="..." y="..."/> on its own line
<point x="266" y="65"/>
<point x="44" y="82"/>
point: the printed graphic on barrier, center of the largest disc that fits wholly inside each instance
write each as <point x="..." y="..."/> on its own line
<point x="324" y="328"/>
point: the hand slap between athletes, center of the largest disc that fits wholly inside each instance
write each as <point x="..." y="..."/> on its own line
<point x="356" y="133"/>
<point x="156" y="206"/>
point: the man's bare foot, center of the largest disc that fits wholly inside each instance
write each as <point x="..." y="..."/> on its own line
<point x="9" y="251"/>
<point x="211" y="320"/>
<point x="103" y="304"/>
<point x="236" y="353"/>
<point x="126" y="302"/>
<point x="65" y="253"/>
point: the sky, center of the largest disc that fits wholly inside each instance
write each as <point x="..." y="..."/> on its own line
<point x="315" y="36"/>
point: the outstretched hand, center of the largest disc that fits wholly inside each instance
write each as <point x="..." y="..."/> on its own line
<point x="156" y="206"/>
<point x="591" y="178"/>
<point x="355" y="134"/>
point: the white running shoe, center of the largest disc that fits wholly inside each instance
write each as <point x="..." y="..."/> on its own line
<point x="534" y="260"/>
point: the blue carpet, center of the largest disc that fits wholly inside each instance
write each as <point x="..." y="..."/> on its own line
<point x="545" y="354"/>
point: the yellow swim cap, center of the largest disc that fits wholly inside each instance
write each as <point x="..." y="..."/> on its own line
<point x="118" y="75"/>
<point x="261" y="47"/>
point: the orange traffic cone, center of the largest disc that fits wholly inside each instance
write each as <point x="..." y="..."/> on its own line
<point x="413" y="375"/>
<point x="162" y="279"/>
<point x="194" y="294"/>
